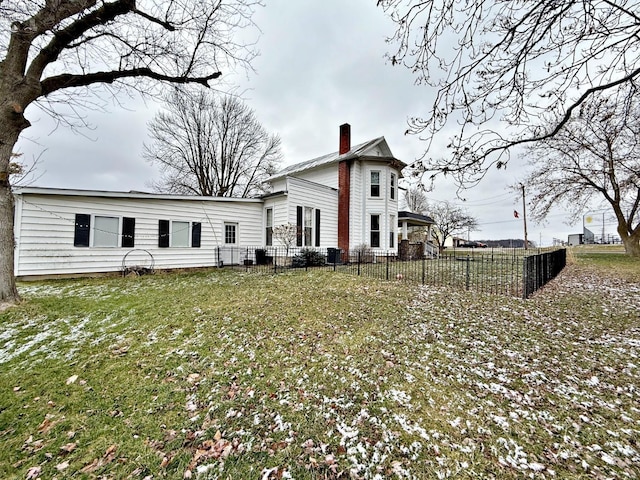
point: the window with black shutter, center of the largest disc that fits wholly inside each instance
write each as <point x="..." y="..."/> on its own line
<point x="163" y="233"/>
<point x="196" y="229"/>
<point x="299" y="225"/>
<point x="128" y="232"/>
<point x="82" y="229"/>
<point x="317" y="227"/>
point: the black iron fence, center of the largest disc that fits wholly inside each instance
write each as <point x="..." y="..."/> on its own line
<point x="515" y="272"/>
<point x="540" y="268"/>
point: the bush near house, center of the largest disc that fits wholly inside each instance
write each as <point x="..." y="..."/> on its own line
<point x="308" y="257"/>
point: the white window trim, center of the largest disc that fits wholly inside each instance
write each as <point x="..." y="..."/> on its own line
<point x="171" y="234"/>
<point x="92" y="231"/>
<point x="370" y="184"/>
<point x="224" y="233"/>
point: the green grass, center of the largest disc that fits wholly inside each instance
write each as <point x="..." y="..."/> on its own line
<point x="319" y="375"/>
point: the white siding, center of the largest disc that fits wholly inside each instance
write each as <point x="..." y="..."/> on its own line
<point x="325" y="175"/>
<point x="307" y="194"/>
<point x="363" y="205"/>
<point x="45" y="231"/>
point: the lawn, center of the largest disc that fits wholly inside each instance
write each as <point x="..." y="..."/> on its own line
<point x="318" y="375"/>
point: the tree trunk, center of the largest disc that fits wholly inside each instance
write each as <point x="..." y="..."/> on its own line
<point x="632" y="244"/>
<point x="9" y="133"/>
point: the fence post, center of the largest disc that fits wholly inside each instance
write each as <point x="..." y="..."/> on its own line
<point x="524" y="277"/>
<point x="387" y="265"/>
<point x="275" y="261"/>
<point x="359" y="263"/>
<point x="468" y="278"/>
<point x="423" y="260"/>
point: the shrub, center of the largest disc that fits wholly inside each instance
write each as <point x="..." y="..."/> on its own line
<point x="308" y="257"/>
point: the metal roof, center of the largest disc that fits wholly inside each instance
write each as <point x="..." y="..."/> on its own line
<point x="130" y="194"/>
<point x="415" y="218"/>
<point x="334" y="157"/>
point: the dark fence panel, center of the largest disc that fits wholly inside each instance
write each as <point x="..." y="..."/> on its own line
<point x="496" y="271"/>
<point x="539" y="269"/>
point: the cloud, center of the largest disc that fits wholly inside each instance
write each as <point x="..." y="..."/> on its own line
<point x="321" y="64"/>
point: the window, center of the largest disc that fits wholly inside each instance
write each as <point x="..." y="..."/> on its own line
<point x="375" y="231"/>
<point x="269" y="227"/>
<point x="307" y="219"/>
<point x="375" y="183"/>
<point x="392" y="185"/>
<point x="106" y="232"/>
<point x="230" y="233"/>
<point x="179" y="234"/>
<point x="392" y="231"/>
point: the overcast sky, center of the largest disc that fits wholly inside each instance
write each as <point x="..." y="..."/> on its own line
<point x="321" y="64"/>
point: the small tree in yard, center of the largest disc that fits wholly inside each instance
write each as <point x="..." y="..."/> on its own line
<point x="54" y="51"/>
<point x="286" y="234"/>
<point x="595" y="157"/>
<point x="449" y="219"/>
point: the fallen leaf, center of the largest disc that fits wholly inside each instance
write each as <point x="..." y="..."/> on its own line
<point x="68" y="448"/>
<point x="72" y="379"/>
<point x="33" y="473"/>
<point x="62" y="466"/>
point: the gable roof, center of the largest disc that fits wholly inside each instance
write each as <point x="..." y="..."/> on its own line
<point x="356" y="151"/>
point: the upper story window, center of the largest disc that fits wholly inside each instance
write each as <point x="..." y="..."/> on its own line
<point x="392" y="186"/>
<point x="375" y="183"/>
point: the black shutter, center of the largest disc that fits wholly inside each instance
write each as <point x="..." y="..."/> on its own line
<point x="196" y="230"/>
<point x="299" y="226"/>
<point x="82" y="228"/>
<point x="163" y="233"/>
<point x="128" y="232"/>
<point x="317" y="227"/>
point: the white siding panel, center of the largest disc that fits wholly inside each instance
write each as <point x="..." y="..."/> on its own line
<point x="307" y="194"/>
<point x="47" y="225"/>
<point x="326" y="175"/>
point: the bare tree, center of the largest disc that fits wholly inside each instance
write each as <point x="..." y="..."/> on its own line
<point x="416" y="200"/>
<point x="449" y="219"/>
<point x="594" y="157"/>
<point x="499" y="65"/>
<point x="286" y="234"/>
<point x="56" y="51"/>
<point x="211" y="146"/>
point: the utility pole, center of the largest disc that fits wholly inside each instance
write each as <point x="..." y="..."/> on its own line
<point x="524" y="217"/>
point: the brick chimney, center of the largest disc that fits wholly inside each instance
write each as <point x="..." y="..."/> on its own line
<point x="344" y="189"/>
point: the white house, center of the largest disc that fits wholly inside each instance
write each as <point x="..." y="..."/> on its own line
<point x="343" y="199"/>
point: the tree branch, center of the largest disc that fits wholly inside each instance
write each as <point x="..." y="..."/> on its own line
<point x="58" y="82"/>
